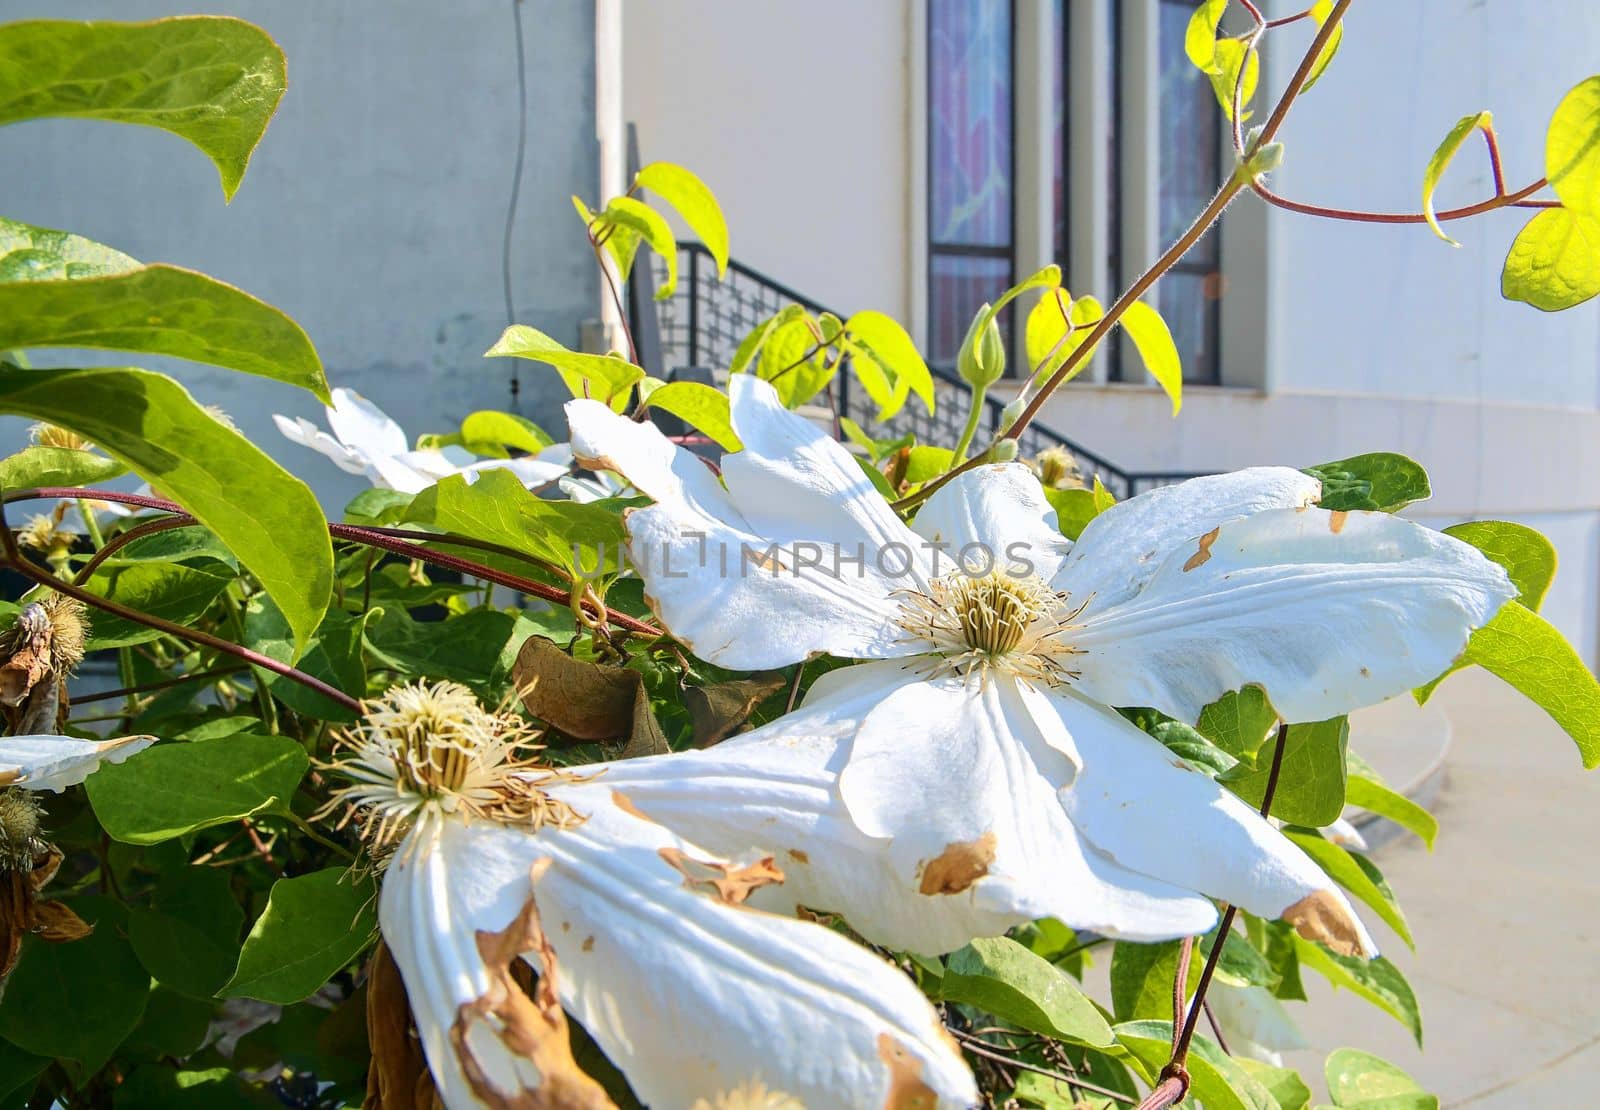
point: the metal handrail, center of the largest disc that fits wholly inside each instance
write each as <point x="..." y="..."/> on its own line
<point x="702" y="322"/>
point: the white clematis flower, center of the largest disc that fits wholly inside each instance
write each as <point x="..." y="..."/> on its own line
<point x="43" y="762"/>
<point x="979" y="747"/>
<point x="366" y="441"/>
<point x="637" y="933"/>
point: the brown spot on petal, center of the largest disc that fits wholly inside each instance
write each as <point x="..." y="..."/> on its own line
<point x="1320" y="916"/>
<point x="10" y="774"/>
<point x="907" y="1091"/>
<point x="959" y="866"/>
<point x="798" y="856"/>
<point x="531" y="1029"/>
<point x="625" y="804"/>
<point x="1336" y="520"/>
<point x="588" y="943"/>
<point x="398" y="1074"/>
<point x="731" y="883"/>
<point x="1201" y="555"/>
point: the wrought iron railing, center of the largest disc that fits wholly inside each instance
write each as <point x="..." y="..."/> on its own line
<point x="704" y="320"/>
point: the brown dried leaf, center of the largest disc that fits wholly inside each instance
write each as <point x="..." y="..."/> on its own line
<point x="586" y="701"/>
<point x="56" y="924"/>
<point x="721" y="710"/>
<point x="398" y="1077"/>
<point x="25" y="647"/>
<point x="532" y="1029"/>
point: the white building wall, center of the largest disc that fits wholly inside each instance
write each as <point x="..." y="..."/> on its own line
<point x="797" y="116"/>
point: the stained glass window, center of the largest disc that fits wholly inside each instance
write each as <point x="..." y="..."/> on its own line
<point x="1191" y="169"/>
<point x="970" y="171"/>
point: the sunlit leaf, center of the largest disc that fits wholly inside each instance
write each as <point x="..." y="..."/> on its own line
<point x="213" y="80"/>
<point x="1320" y="11"/>
<point x="650" y="226"/>
<point x="701" y="407"/>
<point x="605" y="378"/>
<point x="692" y="199"/>
<point x="1153" y="340"/>
<point x="1554" y="262"/>
<point x="1238" y="722"/>
<point x="1572" y="148"/>
<point x="56" y="466"/>
<point x="1000" y="976"/>
<point x="1380" y="480"/>
<point x="1357" y="874"/>
<point x="1361" y="1081"/>
<point x="1440" y="159"/>
<point x="1311" y="786"/>
<point x="882" y="337"/>
<point x="1216" y="1079"/>
<point x="1375" y="797"/>
<point x="1376" y="980"/>
<point x="266" y="516"/>
<point x="1528" y="557"/>
<point x="175" y="593"/>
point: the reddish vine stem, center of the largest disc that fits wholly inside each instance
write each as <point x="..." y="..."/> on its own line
<point x="118" y="542"/>
<point x="1174" y="1081"/>
<point x="383" y="538"/>
<point x="1518" y="199"/>
<point x="152" y="687"/>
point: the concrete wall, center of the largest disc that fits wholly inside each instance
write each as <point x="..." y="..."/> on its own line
<point x="374" y="207"/>
<point x="797" y="116"/>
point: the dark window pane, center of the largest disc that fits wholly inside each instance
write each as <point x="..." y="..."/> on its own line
<point x="1191" y="170"/>
<point x="958" y="286"/>
<point x="969" y="122"/>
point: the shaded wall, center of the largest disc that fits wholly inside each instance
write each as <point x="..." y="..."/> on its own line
<point x="373" y="210"/>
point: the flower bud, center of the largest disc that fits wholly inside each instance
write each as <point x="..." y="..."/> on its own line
<point x="982" y="358"/>
<point x="20" y="842"/>
<point x="1004" y="450"/>
<point x="1011" y="414"/>
<point x="1058" y="469"/>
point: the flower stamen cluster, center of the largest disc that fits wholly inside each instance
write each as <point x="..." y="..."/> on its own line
<point x="994" y="621"/>
<point x="435" y="749"/>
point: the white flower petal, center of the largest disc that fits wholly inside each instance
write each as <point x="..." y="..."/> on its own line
<point x="1152" y="813"/>
<point x="363" y="426"/>
<point x="42" y="762"/>
<point x="730" y="590"/>
<point x="1123" y="547"/>
<point x="644" y="952"/>
<point x="1326" y="611"/>
<point x="1345" y="835"/>
<point x="1254" y="1023"/>
<point x="1001" y="512"/>
<point x="962" y="780"/>
<point x="530" y="471"/>
<point x="393" y="472"/>
<point x="306" y="434"/>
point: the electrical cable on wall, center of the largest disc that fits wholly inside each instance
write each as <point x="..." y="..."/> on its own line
<point x="516" y="186"/>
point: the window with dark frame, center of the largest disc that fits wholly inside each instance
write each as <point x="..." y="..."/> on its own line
<point x="971" y="174"/>
<point x="1189" y="296"/>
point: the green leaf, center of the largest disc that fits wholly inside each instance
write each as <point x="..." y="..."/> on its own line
<point x="1526" y="651"/>
<point x="498" y="430"/>
<point x="882" y="337"/>
<point x="76" y="1000"/>
<point x="1239" y="722"/>
<point x="188" y="939"/>
<point x="1377" y="980"/>
<point x="176" y="593"/>
<point x="1231" y="55"/>
<point x="926" y="462"/>
<point x="18" y="1069"/>
<point x="1153" y="340"/>
<point x="1048" y="333"/>
<point x="1361" y="1081"/>
<point x="650" y="226"/>
<point x="56" y="466"/>
<point x="1320" y="12"/>
<point x="156" y="1085"/>
<point x="693" y="200"/>
<point x="313" y="925"/>
<point x="29" y="253"/>
<point x="1357" y="874"/>
<point x="603" y="377"/>
<point x="1527" y="556"/>
<point x="1381" y="480"/>
<point x="1554" y="262"/>
<point x="1375" y="797"/>
<point x="156" y="309"/>
<point x="1285" y="1086"/>
<point x="1216" y="1078"/>
<point x="1440" y="158"/>
<point x="1312" y="784"/>
<point x="1572" y="149"/>
<point x="498" y="508"/>
<point x="465" y="649"/>
<point x="151" y="423"/>
<point x="702" y="408"/>
<point x="212" y="80"/>
<point x="1003" y="978"/>
<point x="333" y="655"/>
<point x="794" y="361"/>
<point x="1075" y="508"/>
<point x="172" y="789"/>
<point x="752" y="343"/>
<point x="173" y="1025"/>
<point x="1047" y="278"/>
<point x="1142" y="977"/>
<point x="1200" y="37"/>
